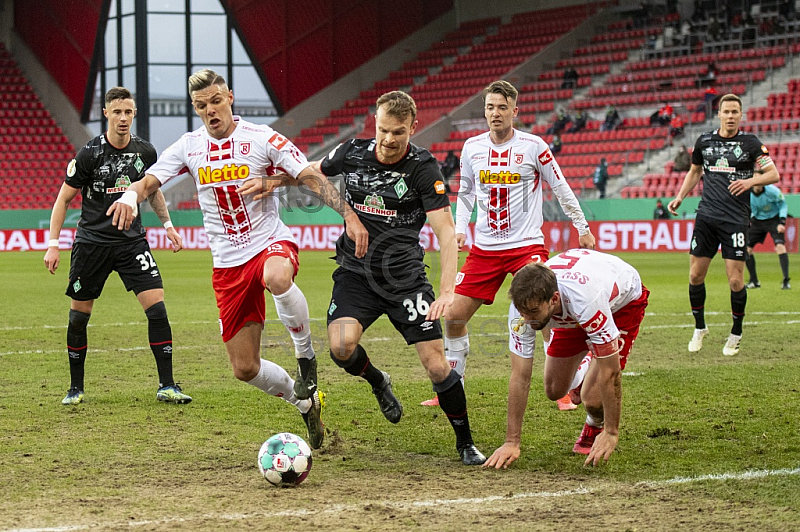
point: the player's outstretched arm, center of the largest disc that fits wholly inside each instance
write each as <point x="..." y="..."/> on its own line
<point x="159" y="205"/>
<point x="519" y="385"/>
<point x="689" y="182"/>
<point x="124" y="210"/>
<point x="609" y="380"/>
<point x="315" y="180"/>
<point x="441" y="221"/>
<point x="263" y="187"/>
<point x="65" y="196"/>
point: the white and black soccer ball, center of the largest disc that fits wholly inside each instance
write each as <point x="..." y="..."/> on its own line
<point x="285" y="458"/>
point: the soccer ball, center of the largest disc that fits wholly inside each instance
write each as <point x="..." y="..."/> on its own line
<point x="285" y="458"/>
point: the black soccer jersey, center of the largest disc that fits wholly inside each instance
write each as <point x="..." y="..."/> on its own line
<point x="103" y="173"/>
<point x="725" y="160"/>
<point x="391" y="201"/>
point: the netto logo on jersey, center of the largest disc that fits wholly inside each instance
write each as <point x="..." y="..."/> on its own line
<point x="499" y="178"/>
<point x="229" y="172"/>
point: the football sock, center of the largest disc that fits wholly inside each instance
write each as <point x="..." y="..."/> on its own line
<point x="453" y="403"/>
<point x="76" y="346"/>
<point x="293" y="312"/>
<point x="783" y="258"/>
<point x="751" y="267"/>
<point x="159" y="334"/>
<point x="581" y="373"/>
<point x="359" y="365"/>
<point x="274" y="380"/>
<point x="456" y="351"/>
<point x="738" y="303"/>
<point x="593" y="421"/>
<point x="697" y="298"/>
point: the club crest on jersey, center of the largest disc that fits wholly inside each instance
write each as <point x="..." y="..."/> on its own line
<point x="737" y="151"/>
<point x="400" y="189"/>
<point x="497" y="158"/>
<point x="518" y="158"/>
<point x="138" y="164"/>
<point x="244" y="148"/>
<point x="121" y="185"/>
<point x="596" y="323"/>
<point x="546" y="156"/>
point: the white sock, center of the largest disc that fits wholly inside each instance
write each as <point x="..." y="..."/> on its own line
<point x="581" y="373"/>
<point x="592" y="422"/>
<point x="293" y="312"/>
<point x="273" y="380"/>
<point x="456" y="351"/>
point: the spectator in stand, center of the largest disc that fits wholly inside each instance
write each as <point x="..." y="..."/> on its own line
<point x="570" y="79"/>
<point x="769" y="211"/>
<point x="561" y="121"/>
<point x="660" y="212"/>
<point x="663" y="116"/>
<point x="448" y="168"/>
<point x="675" y="128"/>
<point x="714" y="29"/>
<point x="555" y="144"/>
<point x="612" y="119"/>
<point x="709" y="96"/>
<point x="683" y="161"/>
<point x="579" y="123"/>
<point x="600" y="177"/>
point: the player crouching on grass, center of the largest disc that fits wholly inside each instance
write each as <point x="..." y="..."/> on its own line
<point x="589" y="299"/>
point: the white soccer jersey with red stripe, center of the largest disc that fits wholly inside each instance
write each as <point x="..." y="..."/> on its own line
<point x="238" y="227"/>
<point x="593" y="285"/>
<point x="504" y="182"/>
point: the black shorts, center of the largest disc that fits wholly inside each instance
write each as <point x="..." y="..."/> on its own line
<point x="355" y="297"/>
<point x="91" y="265"/>
<point x="759" y="230"/>
<point x="708" y="236"/>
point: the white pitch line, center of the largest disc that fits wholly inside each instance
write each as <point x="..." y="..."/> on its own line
<point x="426" y="503"/>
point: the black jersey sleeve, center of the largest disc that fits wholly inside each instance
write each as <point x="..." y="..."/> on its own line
<point x="697" y="152"/>
<point x="333" y="163"/>
<point x="79" y="169"/>
<point x="429" y="185"/>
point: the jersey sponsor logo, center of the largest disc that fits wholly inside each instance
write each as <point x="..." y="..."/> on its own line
<point x="373" y="204"/>
<point x="505" y="177"/>
<point x="71" y="168"/>
<point x="497" y="158"/>
<point x="595" y="323"/>
<point x="244" y="148"/>
<point x="764" y="149"/>
<point x="278" y="141"/>
<point x="121" y="185"/>
<point x="220" y="152"/>
<point x="722" y="166"/>
<point x="229" y="172"/>
<point x="546" y="156"/>
<point x="439" y="187"/>
<point x="519" y="157"/>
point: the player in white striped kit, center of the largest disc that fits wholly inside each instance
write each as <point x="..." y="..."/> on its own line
<point x="502" y="173"/>
<point x="594" y="303"/>
<point x="230" y="160"/>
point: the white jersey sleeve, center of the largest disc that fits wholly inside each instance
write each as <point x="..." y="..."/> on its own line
<point x="593" y="286"/>
<point x="238" y="226"/>
<point x="466" y="196"/>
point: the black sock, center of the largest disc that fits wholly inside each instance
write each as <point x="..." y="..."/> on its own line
<point x="738" y="303"/>
<point x="751" y="267"/>
<point x="697" y="298"/>
<point x="453" y="403"/>
<point x="783" y="258"/>
<point x="359" y="365"/>
<point x="76" y="346"/>
<point x="160" y="335"/>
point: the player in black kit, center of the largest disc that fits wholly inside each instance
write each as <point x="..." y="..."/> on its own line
<point x="393" y="185"/>
<point x="730" y="162"/>
<point x="102" y="171"/>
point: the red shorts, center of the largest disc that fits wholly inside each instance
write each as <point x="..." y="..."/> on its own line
<point x="485" y="271"/>
<point x="240" y="290"/>
<point x="565" y="343"/>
